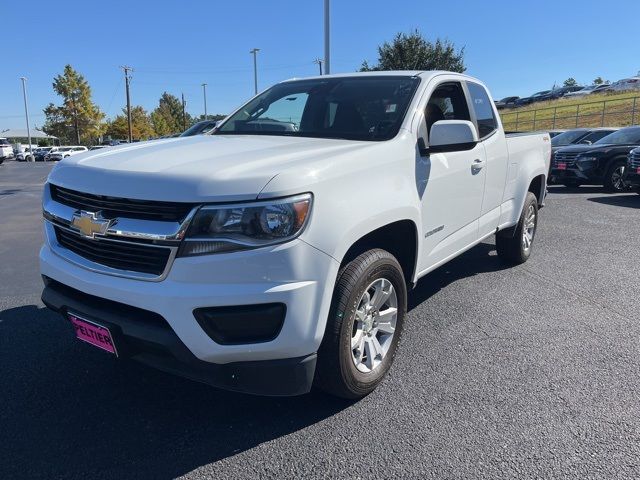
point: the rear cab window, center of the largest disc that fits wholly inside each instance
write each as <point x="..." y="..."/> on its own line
<point x="486" y="120"/>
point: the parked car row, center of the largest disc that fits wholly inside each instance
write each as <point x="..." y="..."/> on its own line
<point x="575" y="91"/>
<point x="46" y="154"/>
<point x="597" y="156"/>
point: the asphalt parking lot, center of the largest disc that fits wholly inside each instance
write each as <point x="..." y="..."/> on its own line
<point x="526" y="372"/>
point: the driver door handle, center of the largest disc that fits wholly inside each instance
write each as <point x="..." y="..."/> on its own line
<point x="477" y="164"/>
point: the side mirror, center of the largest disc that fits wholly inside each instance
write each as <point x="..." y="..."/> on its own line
<point x="586" y="142"/>
<point x="450" y="136"/>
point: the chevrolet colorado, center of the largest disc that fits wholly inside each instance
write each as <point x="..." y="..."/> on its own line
<point x="276" y="253"/>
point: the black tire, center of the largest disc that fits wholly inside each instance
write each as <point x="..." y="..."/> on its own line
<point x="571" y="183"/>
<point x="610" y="182"/>
<point x="336" y="372"/>
<point x="509" y="243"/>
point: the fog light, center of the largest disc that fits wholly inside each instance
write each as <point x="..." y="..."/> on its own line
<point x="243" y="323"/>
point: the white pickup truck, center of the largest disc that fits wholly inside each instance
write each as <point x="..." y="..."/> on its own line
<point x="267" y="260"/>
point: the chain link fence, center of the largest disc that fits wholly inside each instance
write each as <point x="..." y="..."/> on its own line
<point x="621" y="112"/>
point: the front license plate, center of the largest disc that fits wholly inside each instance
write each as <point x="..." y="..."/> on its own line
<point x="562" y="166"/>
<point x="92" y="333"/>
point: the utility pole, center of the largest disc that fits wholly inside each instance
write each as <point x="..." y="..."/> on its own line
<point x="319" y="62"/>
<point x="255" y="69"/>
<point x="204" y="91"/>
<point x="26" y="112"/>
<point x="184" y="114"/>
<point x="127" y="78"/>
<point x="327" y="52"/>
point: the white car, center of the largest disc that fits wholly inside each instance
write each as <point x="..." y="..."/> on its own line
<point x="625" y="84"/>
<point x="6" y="150"/>
<point x="266" y="260"/>
<point x="64" y="152"/>
<point x="591" y="89"/>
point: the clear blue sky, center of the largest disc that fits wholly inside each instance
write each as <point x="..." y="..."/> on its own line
<point x="516" y="47"/>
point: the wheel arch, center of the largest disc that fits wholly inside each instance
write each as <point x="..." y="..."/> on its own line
<point x="538" y="186"/>
<point x="386" y="237"/>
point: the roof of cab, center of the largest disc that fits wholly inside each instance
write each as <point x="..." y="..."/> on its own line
<point x="382" y="73"/>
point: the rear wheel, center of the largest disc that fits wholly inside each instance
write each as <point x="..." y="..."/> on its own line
<point x="364" y="325"/>
<point x="613" y="181"/>
<point x="515" y="246"/>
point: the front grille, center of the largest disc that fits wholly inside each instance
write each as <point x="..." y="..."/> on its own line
<point x="126" y="256"/>
<point x="634" y="160"/>
<point x="112" y="207"/>
<point x="561" y="157"/>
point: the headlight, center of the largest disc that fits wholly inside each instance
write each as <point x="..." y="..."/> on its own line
<point x="227" y="228"/>
<point x="587" y="159"/>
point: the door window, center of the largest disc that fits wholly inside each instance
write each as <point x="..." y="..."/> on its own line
<point x="447" y="102"/>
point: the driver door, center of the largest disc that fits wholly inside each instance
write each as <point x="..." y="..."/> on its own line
<point x="453" y="186"/>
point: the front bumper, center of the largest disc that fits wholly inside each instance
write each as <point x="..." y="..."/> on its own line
<point x="295" y="273"/>
<point x="632" y="177"/>
<point x="147" y="338"/>
<point x="582" y="175"/>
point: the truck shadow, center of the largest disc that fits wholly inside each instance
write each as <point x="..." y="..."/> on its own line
<point x="69" y="410"/>
<point x="480" y="259"/>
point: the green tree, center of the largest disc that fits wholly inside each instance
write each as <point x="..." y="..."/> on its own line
<point x="167" y="116"/>
<point x="570" y="82"/>
<point x="141" y="127"/>
<point x="599" y="81"/>
<point x="77" y="119"/>
<point x="414" y="52"/>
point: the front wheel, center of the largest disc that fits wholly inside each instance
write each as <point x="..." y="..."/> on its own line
<point x="613" y="179"/>
<point x="364" y="326"/>
<point x="514" y="247"/>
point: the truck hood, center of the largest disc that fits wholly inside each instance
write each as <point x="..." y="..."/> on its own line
<point x="193" y="169"/>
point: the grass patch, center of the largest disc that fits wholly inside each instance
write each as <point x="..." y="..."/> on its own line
<point x="602" y="110"/>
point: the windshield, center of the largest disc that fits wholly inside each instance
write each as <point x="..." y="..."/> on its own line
<point x="64" y="149"/>
<point x="567" y="138"/>
<point x="621" y="137"/>
<point x="356" y="108"/>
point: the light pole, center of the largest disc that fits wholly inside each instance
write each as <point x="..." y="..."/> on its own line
<point x="255" y="69"/>
<point x="127" y="79"/>
<point x="204" y="92"/>
<point x="26" y="111"/>
<point x="327" y="52"/>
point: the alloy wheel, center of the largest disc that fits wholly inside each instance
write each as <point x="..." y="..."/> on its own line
<point x="529" y="229"/>
<point x="374" y="325"/>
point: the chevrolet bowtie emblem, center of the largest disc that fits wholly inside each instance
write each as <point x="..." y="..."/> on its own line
<point x="89" y="223"/>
